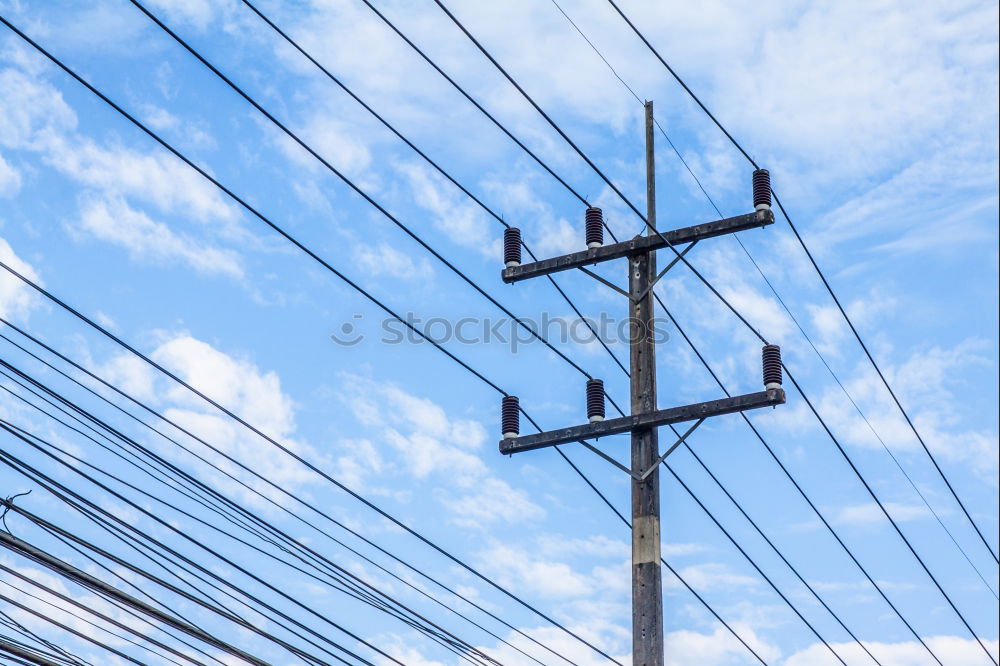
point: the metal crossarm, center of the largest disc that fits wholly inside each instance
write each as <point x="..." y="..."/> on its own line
<point x="638" y="245"/>
<point x="660" y="417"/>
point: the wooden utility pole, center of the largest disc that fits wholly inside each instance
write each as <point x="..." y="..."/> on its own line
<point x="647" y="597"/>
<point x="646" y="416"/>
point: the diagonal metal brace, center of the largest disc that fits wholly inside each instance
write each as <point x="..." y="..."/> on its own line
<point x="603" y="281"/>
<point x="644" y="475"/>
<point x="610" y="459"/>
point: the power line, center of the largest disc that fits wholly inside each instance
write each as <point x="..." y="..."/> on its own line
<point x="326" y="72"/>
<point x="802" y="492"/>
<point x="822" y="276"/>
<point x="59" y="653"/>
<point x="95" y="613"/>
<point x="777" y="552"/>
<point x="357" y="189"/>
<point x="794" y="319"/>
<point x="288" y="451"/>
<point x="54" y="530"/>
<point x="25" y="656"/>
<point x="754" y="564"/>
<point x="42" y="478"/>
<point x="68" y="629"/>
<point x="341" y="575"/>
<point x="663" y="561"/>
<point x="329" y="267"/>
<point x="264" y="479"/>
<point x="891" y="520"/>
<point x="727" y="303"/>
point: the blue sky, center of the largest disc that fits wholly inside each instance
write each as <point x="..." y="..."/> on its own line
<point x="878" y="122"/>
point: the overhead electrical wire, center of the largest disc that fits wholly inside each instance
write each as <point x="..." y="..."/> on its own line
<point x="103" y="617"/>
<point x="139" y="590"/>
<point x="437" y="167"/>
<point x="185" y="160"/>
<point x="70" y="630"/>
<point x="653" y="229"/>
<point x="60" y="653"/>
<point x="261" y="478"/>
<point x="208" y="549"/>
<point x="778" y="552"/>
<point x="26" y="655"/>
<point x="802" y="492"/>
<point x="475" y="199"/>
<point x="784" y="306"/>
<point x="329" y="267"/>
<point x="663" y="561"/>
<point x="55" y="530"/>
<point x="357" y="189"/>
<point x="822" y="276"/>
<point x="42" y="478"/>
<point x="754" y="564"/>
<point x="79" y="461"/>
<point x="341" y="576"/>
<point x="97" y="327"/>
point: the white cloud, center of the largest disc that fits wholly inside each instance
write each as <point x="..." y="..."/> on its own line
<point x="438" y="449"/>
<point x="156" y="178"/>
<point x="459" y="218"/>
<point x="10" y="179"/>
<point x="950" y="649"/>
<point x="31" y="112"/>
<point x="561" y="643"/>
<point x="16" y="298"/>
<point x="254" y="395"/>
<point x="710" y="575"/>
<point x="34" y="117"/>
<point x="870" y="514"/>
<point x="384" y="260"/>
<point x="717" y="648"/>
<point x="336" y="142"/>
<point x="50" y="606"/>
<point x="520" y="569"/>
<point x="130" y="374"/>
<point x="929" y="384"/>
<point x="234" y="383"/>
<point x="114" y="221"/>
<point x="197" y="13"/>
<point x="493" y="500"/>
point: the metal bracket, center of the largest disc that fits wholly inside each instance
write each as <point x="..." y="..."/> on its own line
<point x="644" y="475"/>
<point x="663" y="272"/>
<point x="636" y="299"/>
<point x="603" y="281"/>
<point x="610" y="459"/>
